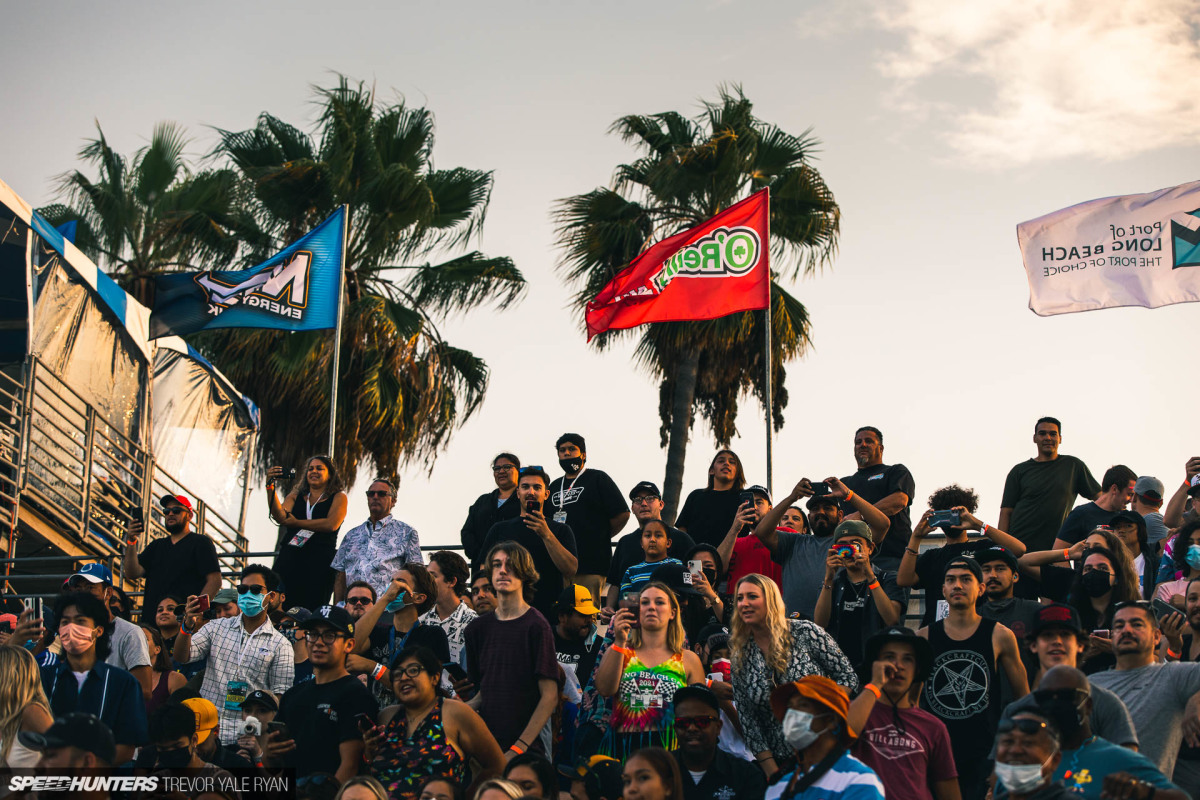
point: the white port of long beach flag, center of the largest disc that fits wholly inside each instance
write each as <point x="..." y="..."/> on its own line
<point x="1135" y="250"/>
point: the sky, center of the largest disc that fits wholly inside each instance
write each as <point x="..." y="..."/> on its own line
<point x="942" y="126"/>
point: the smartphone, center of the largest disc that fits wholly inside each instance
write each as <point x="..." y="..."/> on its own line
<point x="632" y="601"/>
<point x="278" y="727"/>
<point x="940" y="519"/>
<point x="1162" y="609"/>
<point x="455" y="670"/>
<point x="365" y="723"/>
<point x="1103" y="633"/>
<point x="137" y="516"/>
<point x="205" y="601"/>
<point x="531" y="505"/>
<point x="696" y="567"/>
<point x="292" y="474"/>
<point x="744" y="498"/>
<point x="820" y="489"/>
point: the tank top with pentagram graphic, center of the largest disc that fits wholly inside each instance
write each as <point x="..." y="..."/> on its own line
<point x="963" y="691"/>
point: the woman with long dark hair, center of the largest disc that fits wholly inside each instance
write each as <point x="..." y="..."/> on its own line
<point x="652" y="774"/>
<point x="163" y="676"/>
<point x="426" y="734"/>
<point x="536" y="776"/>
<point x="1105" y="580"/>
<point x="813" y="714"/>
<point x="311" y="516"/>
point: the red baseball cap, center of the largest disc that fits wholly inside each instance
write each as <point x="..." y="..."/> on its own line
<point x="178" y="499"/>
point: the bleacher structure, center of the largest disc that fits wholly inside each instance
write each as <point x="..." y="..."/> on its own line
<point x="97" y="421"/>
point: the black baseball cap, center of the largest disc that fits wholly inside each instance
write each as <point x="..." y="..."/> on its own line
<point x="821" y="500"/>
<point x="1132" y="517"/>
<point x="996" y="553"/>
<point x="1055" y="616"/>
<point x="83" y="731"/>
<point x="260" y="698"/>
<point x="697" y="691"/>
<point x="965" y="562"/>
<point x="761" y="491"/>
<point x="645" y="487"/>
<point x="899" y="633"/>
<point x="601" y="776"/>
<point x="335" y="617"/>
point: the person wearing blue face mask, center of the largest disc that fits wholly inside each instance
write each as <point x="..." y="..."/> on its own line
<point x="244" y="653"/>
<point x="1185" y="559"/>
<point x="411" y="593"/>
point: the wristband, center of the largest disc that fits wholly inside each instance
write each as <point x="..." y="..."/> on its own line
<point x="708" y="682"/>
<point x="519" y="751"/>
<point x="910" y="550"/>
<point x="522" y="741"/>
<point x="379" y="671"/>
<point x="873" y="586"/>
<point x="625" y="651"/>
<point x="983" y="531"/>
<point x="1066" y="554"/>
<point x="850" y="496"/>
<point x="873" y="689"/>
<point x="1172" y="654"/>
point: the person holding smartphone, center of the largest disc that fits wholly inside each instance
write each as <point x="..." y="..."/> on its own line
<point x="320" y="714"/>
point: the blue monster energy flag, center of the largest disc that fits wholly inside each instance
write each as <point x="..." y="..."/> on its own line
<point x="296" y="290"/>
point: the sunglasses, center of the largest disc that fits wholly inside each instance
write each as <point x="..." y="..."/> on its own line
<point x="174" y="510"/>
<point x="699" y="723"/>
<point x="1025" y="725"/>
<point x="1072" y="696"/>
<point x="379" y="494"/>
<point x="243" y="588"/>
<point x="531" y="468"/>
<point x="358" y="601"/>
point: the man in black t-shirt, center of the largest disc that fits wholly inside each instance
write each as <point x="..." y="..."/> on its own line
<point x="182" y="563"/>
<point x="551" y="544"/>
<point x="647" y="504"/>
<point x="322" y="714"/>
<point x="1116" y="493"/>
<point x="708" y="513"/>
<point x="927" y="569"/>
<point x="888" y="488"/>
<point x="591" y="504"/>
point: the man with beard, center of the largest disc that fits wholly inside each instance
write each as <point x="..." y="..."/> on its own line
<point x="551" y="544"/>
<point x="1000" y="575"/>
<point x="589" y="502"/>
<point x="889" y="487"/>
<point x="576" y="646"/>
<point x="803" y="556"/>
<point x="709" y="773"/>
<point x="963" y="689"/>
<point x="360" y="596"/>
<point x="1161" y="697"/>
<point x="182" y="564"/>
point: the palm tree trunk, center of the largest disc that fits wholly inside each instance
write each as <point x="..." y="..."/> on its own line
<point x="681" y="423"/>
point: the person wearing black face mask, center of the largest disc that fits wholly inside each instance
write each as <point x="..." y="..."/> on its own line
<point x="590" y="503"/>
<point x="173" y="734"/>
<point x="1097" y="590"/>
<point x="1091" y="767"/>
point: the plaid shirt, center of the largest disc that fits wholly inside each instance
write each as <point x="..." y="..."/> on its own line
<point x="263" y="659"/>
<point x="374" y="551"/>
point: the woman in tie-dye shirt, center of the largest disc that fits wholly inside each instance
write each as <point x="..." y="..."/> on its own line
<point x="642" y="671"/>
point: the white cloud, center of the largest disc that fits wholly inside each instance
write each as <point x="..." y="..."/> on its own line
<point x="1026" y="80"/>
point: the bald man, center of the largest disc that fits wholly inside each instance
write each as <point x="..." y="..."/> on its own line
<point x="1091" y="765"/>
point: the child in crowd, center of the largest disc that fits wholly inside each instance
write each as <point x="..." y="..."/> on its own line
<point x="655" y="544"/>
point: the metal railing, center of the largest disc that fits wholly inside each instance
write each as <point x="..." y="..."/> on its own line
<point x="84" y="477"/>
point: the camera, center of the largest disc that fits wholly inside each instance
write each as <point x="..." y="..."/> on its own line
<point x="251" y="727"/>
<point x="845" y="550"/>
<point x="941" y="519"/>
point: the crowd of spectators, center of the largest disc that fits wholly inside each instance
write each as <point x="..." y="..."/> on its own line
<point x="815" y="645"/>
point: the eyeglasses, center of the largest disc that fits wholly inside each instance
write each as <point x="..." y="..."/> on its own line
<point x="243" y="588"/>
<point x="358" y="601"/>
<point x="699" y="723"/>
<point x="328" y="637"/>
<point x="481" y="590"/>
<point x="502" y="467"/>
<point x="411" y="671"/>
<point x="379" y="494"/>
<point x="1025" y="725"/>
<point x="645" y="499"/>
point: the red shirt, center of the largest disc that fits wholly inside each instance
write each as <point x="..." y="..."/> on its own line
<point x="749" y="556"/>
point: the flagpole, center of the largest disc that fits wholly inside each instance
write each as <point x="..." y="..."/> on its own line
<point x="337" y="334"/>
<point x="767" y="338"/>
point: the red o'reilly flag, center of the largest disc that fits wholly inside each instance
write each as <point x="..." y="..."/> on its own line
<point x="717" y="268"/>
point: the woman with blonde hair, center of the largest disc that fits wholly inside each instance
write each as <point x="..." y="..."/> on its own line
<point x="642" y="671"/>
<point x="361" y="787"/>
<point x="769" y="650"/>
<point x="498" y="789"/>
<point x="23" y="706"/>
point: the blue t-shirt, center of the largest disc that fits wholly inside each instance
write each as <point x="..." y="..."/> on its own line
<point x="1082" y="771"/>
<point x="847" y="779"/>
<point x="639" y="574"/>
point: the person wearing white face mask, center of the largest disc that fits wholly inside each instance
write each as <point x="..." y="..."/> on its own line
<point x="1027" y="753"/>
<point x="813" y="711"/>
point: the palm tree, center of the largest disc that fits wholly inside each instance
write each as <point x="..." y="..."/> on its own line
<point x="688" y="170"/>
<point x="403" y="387"/>
<point x="143" y="215"/>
